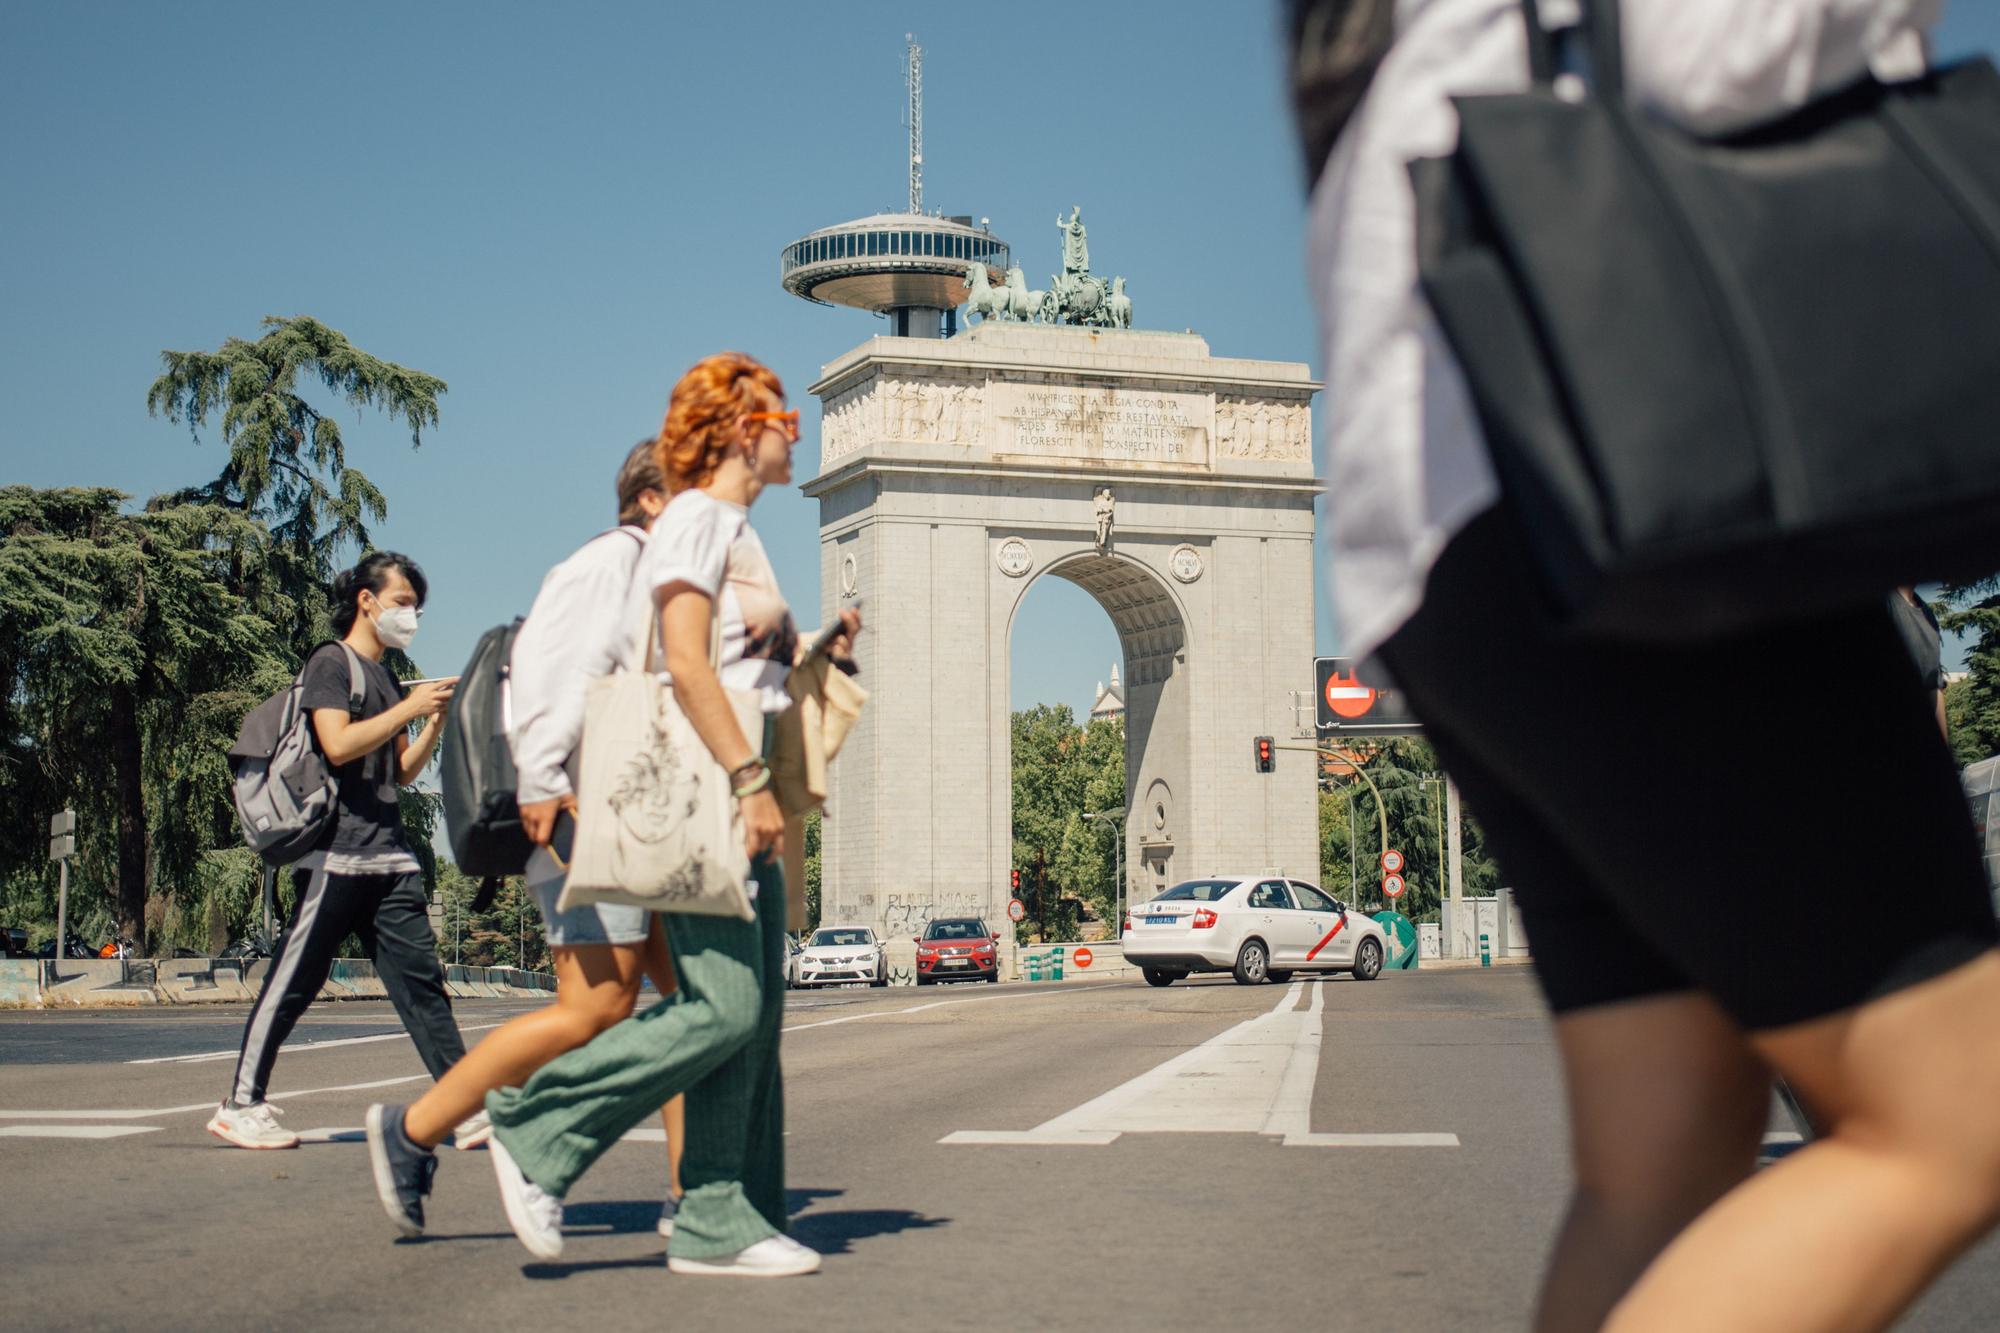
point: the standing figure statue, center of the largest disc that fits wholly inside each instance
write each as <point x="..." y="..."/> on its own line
<point x="1076" y="243"/>
<point x="1105" y="505"/>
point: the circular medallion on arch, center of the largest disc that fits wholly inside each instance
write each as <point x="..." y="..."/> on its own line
<point x="1185" y="563"/>
<point x="1014" y="558"/>
<point x="850" y="575"/>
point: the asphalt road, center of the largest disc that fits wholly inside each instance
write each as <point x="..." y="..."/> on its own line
<point x="1077" y="1156"/>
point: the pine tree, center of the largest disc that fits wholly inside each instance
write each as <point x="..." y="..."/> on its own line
<point x="287" y="461"/>
<point x="130" y="645"/>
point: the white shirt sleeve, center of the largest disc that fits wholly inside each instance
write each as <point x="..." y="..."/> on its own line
<point x="1717" y="65"/>
<point x="690" y="543"/>
<point x="572" y="634"/>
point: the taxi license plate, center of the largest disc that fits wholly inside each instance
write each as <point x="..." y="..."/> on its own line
<point x="1161" y="920"/>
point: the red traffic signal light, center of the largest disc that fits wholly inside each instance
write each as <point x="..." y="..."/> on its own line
<point x="1017" y="882"/>
<point x="1267" y="758"/>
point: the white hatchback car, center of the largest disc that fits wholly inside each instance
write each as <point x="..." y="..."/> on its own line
<point x="1261" y="928"/>
<point x="837" y="954"/>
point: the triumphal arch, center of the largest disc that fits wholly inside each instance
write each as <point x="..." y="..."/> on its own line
<point x="1175" y="486"/>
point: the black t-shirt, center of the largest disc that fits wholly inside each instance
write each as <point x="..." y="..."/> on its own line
<point x="370" y="821"/>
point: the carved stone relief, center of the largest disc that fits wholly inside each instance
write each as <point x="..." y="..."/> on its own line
<point x="1254" y="429"/>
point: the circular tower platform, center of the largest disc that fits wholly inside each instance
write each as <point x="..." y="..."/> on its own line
<point x="908" y="266"/>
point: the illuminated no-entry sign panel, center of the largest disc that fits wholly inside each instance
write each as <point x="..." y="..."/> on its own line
<point x="1348" y="705"/>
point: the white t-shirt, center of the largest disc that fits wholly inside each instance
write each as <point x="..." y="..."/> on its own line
<point x="709" y="545"/>
<point x="1406" y="464"/>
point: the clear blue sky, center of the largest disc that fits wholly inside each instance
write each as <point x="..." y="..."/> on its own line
<point x="558" y="208"/>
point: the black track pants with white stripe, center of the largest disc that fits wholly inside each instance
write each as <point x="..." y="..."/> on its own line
<point x="388" y="913"/>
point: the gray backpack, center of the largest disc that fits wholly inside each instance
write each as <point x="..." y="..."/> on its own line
<point x="282" y="785"/>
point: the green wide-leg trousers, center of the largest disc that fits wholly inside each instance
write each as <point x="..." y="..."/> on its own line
<point x="715" y="1039"/>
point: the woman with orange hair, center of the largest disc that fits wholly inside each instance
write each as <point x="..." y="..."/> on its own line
<point x="727" y="437"/>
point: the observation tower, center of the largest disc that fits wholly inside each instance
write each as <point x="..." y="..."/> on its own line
<point x="908" y="267"/>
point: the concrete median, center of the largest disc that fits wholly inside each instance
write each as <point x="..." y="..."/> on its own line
<point x="358" y="977"/>
<point x="202" y="981"/>
<point x="28" y="983"/>
<point x="468" y="983"/>
<point x="96" y="982"/>
<point x="20" y="983"/>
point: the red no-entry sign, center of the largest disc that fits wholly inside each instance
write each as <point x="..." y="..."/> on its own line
<point x="1082" y="957"/>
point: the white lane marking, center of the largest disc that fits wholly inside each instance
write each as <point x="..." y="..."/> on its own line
<point x="940" y="1004"/>
<point x="74" y="1131"/>
<point x="205" y="1056"/>
<point x="1372" y="1141"/>
<point x="283" y="1097"/>
<point x="277" y="1098"/>
<point x="1256" y="1078"/>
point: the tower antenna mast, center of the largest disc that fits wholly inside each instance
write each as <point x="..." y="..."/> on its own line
<point x="914" y="78"/>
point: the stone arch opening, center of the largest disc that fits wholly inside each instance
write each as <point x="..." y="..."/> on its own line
<point x="1152" y="630"/>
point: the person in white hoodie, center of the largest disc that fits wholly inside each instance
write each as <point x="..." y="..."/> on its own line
<point x="1703" y="916"/>
<point x="582" y="626"/>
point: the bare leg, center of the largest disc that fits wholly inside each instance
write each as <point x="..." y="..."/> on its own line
<point x="1667" y="1106"/>
<point x="1846" y="1232"/>
<point x="596" y="985"/>
<point x="660" y="967"/>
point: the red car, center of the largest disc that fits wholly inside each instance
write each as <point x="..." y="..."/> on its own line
<point x="957" y="948"/>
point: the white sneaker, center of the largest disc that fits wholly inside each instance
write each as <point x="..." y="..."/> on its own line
<point x="533" y="1212"/>
<point x="474" y="1133"/>
<point x="667" y="1211"/>
<point x="251" y="1126"/>
<point x="774" y="1256"/>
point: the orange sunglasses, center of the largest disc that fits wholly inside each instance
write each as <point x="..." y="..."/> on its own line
<point x="785" y="421"/>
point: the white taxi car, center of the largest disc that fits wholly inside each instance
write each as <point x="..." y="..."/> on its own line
<point x="838" y="954"/>
<point x="1260" y="928"/>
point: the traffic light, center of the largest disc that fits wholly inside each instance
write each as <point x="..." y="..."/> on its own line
<point x="1267" y="758"/>
<point x="1017" y="881"/>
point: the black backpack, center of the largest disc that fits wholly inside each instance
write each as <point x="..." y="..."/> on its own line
<point x="481" y="815"/>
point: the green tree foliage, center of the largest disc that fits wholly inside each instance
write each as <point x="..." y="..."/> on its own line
<point x="507" y="934"/>
<point x="287" y="461"/>
<point x="1972" y="705"/>
<point x="131" y="645"/>
<point x="1406" y="772"/>
<point x="1063" y="771"/>
<point x="813" y="870"/>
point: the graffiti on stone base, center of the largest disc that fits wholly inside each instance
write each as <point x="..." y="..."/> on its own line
<point x="909" y="913"/>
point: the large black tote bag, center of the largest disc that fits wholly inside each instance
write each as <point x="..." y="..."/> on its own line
<point x="1727" y="381"/>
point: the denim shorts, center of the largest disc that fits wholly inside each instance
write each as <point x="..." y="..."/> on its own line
<point x="592" y="923"/>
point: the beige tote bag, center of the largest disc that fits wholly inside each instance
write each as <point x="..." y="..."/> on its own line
<point x="657" y="822"/>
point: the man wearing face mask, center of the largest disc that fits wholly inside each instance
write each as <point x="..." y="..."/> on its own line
<point x="363" y="878"/>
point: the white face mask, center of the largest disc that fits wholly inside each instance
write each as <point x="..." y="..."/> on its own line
<point x="396" y="626"/>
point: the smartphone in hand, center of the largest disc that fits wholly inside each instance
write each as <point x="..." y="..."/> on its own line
<point x="831" y="631"/>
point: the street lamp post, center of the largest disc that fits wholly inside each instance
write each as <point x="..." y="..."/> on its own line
<point x="1118" y="874"/>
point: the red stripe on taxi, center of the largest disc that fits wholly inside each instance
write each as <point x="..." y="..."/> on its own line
<point x="1327" y="940"/>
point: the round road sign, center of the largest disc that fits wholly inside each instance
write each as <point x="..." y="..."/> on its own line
<point x="1393" y="886"/>
<point x="1392" y="862"/>
<point x="1081" y="957"/>
<point x="1016" y="910"/>
<point x="1348" y="697"/>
